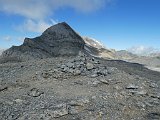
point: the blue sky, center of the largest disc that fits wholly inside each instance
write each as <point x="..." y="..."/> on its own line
<point x="119" y="24"/>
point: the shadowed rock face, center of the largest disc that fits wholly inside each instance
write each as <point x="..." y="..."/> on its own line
<point x="58" y="40"/>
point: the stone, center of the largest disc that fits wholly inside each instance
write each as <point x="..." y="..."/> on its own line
<point x="60" y="110"/>
<point x="34" y="92"/>
<point x="102" y="72"/>
<point x="142" y="92"/>
<point x="155" y="95"/>
<point x="2" y="88"/>
<point x="140" y="105"/>
<point x="77" y="72"/>
<point x="153" y="85"/>
<point x="66" y="69"/>
<point x="94" y="75"/>
<point x="76" y="106"/>
<point x="81" y="54"/>
<point x="153" y="116"/>
<point x="74" y="109"/>
<point x="18" y="100"/>
<point x="89" y="66"/>
<point x="95" y="83"/>
<point x="71" y="71"/>
<point x="79" y="102"/>
<point x="63" y="66"/>
<point x="96" y="62"/>
<point x="111" y="70"/>
<point x="78" y="82"/>
<point x="70" y="65"/>
<point x="104" y="81"/>
<point x="132" y="86"/>
<point x="81" y="63"/>
<point x="45" y="75"/>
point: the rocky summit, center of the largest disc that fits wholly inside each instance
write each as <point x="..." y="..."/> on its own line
<point x="58" y="40"/>
<point x="70" y="84"/>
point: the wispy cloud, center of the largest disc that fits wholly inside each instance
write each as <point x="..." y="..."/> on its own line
<point x="7" y="38"/>
<point x="142" y="50"/>
<point x="34" y="26"/>
<point x="38" y="12"/>
<point x="40" y="9"/>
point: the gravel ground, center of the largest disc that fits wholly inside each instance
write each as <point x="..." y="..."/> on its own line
<point x="78" y="88"/>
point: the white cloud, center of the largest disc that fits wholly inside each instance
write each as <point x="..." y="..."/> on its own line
<point x="37" y="12"/>
<point x="34" y="9"/>
<point x="40" y="9"/>
<point x="142" y="50"/>
<point x="35" y="26"/>
<point x="7" y="38"/>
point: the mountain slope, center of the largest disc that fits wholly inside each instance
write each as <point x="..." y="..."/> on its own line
<point x="58" y="40"/>
<point x="96" y="49"/>
<point x="152" y="62"/>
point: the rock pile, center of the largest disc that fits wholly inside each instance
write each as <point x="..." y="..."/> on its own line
<point x="81" y="65"/>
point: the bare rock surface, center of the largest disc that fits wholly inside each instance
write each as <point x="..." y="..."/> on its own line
<point x="63" y="88"/>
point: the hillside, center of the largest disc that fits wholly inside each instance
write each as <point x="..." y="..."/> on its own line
<point x="71" y="84"/>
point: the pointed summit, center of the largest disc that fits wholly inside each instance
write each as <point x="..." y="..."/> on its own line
<point x="61" y="31"/>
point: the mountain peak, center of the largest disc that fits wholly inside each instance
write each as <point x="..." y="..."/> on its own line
<point x="57" y="40"/>
<point x="62" y="26"/>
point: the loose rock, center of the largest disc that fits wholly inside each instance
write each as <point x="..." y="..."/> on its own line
<point x="34" y="92"/>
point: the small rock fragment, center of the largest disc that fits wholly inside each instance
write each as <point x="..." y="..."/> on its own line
<point x="94" y="75"/>
<point x="89" y="66"/>
<point x="70" y="65"/>
<point x="77" y="72"/>
<point x="18" y="100"/>
<point x="142" y="92"/>
<point x="153" y="85"/>
<point x="34" y="92"/>
<point x="2" y="88"/>
<point x="60" y="111"/>
<point x="132" y="86"/>
<point x="104" y="81"/>
<point x="153" y="116"/>
<point x="74" y="109"/>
